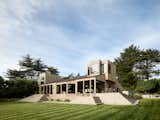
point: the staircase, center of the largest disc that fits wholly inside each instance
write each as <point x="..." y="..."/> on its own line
<point x="45" y="97"/>
<point x="32" y="98"/>
<point x="97" y="100"/>
<point x="114" y="99"/>
<point x="130" y="99"/>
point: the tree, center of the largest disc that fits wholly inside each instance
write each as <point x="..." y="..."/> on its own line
<point x="70" y="76"/>
<point x="147" y="86"/>
<point x="18" y="88"/>
<point x="30" y="68"/>
<point x="13" y="74"/>
<point x="148" y="62"/>
<point x="53" y="70"/>
<point x="26" y="62"/>
<point x="125" y="64"/>
<point x="1" y="82"/>
<point x="38" y="65"/>
<point x="78" y="75"/>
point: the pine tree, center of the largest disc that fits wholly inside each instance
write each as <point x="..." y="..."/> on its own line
<point x="53" y="70"/>
<point x="26" y="63"/>
<point x="125" y="64"/>
<point x="150" y="58"/>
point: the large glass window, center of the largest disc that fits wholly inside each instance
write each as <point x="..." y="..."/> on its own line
<point x="92" y="86"/>
<point x="51" y="89"/>
<point x="63" y="88"/>
<point x="47" y="89"/>
<point x="86" y="87"/>
<point x="102" y="68"/>
<point x="58" y="89"/>
<point x="109" y="68"/>
<point x="80" y="87"/>
<point x="71" y="88"/>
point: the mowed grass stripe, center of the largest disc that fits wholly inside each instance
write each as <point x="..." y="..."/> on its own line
<point x="76" y="113"/>
<point x="23" y="114"/>
<point x="142" y="113"/>
<point x="72" y="112"/>
<point x="20" y="113"/>
<point x="150" y="110"/>
<point x="54" y="111"/>
<point x="60" y="114"/>
<point x="146" y="110"/>
<point x="124" y="113"/>
<point x="154" y="111"/>
<point x="92" y="113"/>
<point x="21" y="109"/>
<point x="46" y="113"/>
<point x="104" y="114"/>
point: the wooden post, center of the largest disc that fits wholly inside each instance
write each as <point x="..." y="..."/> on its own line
<point x="49" y="89"/>
<point x="83" y="86"/>
<point x="94" y="86"/>
<point x="39" y="89"/>
<point x="43" y="90"/>
<point x="90" y="86"/>
<point x="61" y="89"/>
<point x="76" y="88"/>
<point x="66" y="88"/>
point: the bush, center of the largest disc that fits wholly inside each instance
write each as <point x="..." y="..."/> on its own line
<point x="137" y="96"/>
<point x="18" y="88"/>
<point x="149" y="86"/>
<point x="58" y="100"/>
<point x="66" y="100"/>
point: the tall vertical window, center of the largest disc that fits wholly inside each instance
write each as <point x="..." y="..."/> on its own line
<point x="101" y="68"/>
<point x="88" y="71"/>
<point x="109" y="68"/>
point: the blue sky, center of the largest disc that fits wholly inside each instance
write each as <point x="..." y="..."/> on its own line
<point x="68" y="34"/>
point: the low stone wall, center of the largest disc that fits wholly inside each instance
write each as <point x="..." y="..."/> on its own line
<point x="113" y="99"/>
<point x="106" y="98"/>
<point x="151" y="96"/>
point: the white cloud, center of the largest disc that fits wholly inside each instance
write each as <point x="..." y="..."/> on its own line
<point x="101" y="30"/>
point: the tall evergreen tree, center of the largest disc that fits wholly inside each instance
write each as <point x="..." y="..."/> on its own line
<point x="1" y="82"/>
<point x="38" y="65"/>
<point x="150" y="58"/>
<point x="30" y="68"/>
<point x="13" y="74"/>
<point x="125" y="64"/>
<point x="26" y="62"/>
<point x="53" y="70"/>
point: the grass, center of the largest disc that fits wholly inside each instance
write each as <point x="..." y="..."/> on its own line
<point x="146" y="110"/>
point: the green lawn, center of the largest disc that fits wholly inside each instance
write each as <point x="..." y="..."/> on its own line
<point x="146" y="110"/>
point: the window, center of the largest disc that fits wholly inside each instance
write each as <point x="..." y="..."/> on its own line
<point x="88" y="71"/>
<point x="109" y="68"/>
<point x="71" y="88"/>
<point x="101" y="68"/>
<point x="58" y="89"/>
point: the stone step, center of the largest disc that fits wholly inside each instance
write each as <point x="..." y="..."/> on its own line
<point x="97" y="100"/>
<point x="32" y="98"/>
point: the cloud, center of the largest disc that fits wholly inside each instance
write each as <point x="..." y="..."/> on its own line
<point x="67" y="34"/>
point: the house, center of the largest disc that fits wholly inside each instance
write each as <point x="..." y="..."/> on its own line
<point x="100" y="78"/>
<point x="99" y="86"/>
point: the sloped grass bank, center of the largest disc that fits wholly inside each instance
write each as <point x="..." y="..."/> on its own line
<point x="146" y="110"/>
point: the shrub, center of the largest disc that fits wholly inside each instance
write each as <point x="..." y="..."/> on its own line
<point x="66" y="100"/>
<point x="58" y="100"/>
<point x="18" y="88"/>
<point x="137" y="96"/>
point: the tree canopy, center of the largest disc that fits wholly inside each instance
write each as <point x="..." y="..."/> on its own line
<point x="125" y="64"/>
<point x="30" y="67"/>
<point x="17" y="88"/>
<point x="134" y="64"/>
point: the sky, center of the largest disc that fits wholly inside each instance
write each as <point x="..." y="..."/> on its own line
<point x="67" y="34"/>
